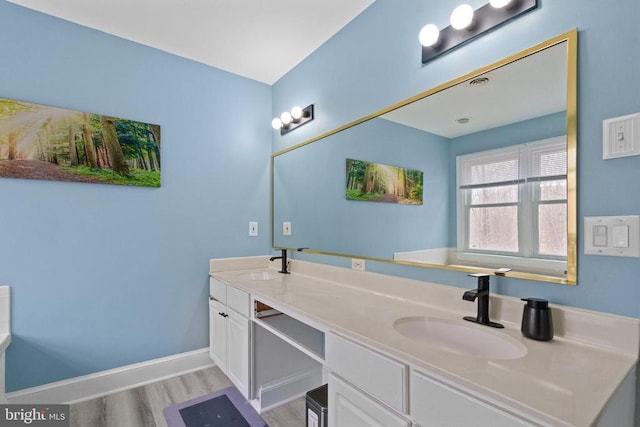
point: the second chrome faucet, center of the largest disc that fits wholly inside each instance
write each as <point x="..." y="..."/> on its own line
<point x="482" y="295"/>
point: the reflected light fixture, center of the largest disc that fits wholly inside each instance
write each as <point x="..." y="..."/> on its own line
<point x="289" y="121"/>
<point x="286" y="118"/>
<point x="296" y="112"/>
<point x="467" y="24"/>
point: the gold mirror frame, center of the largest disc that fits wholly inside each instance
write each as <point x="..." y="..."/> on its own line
<point x="571" y="38"/>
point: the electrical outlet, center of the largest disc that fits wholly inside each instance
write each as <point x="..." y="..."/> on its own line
<point x="286" y="228"/>
<point x="253" y="229"/>
<point x="357" y="264"/>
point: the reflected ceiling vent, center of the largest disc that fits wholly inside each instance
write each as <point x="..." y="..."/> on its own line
<point x="479" y="81"/>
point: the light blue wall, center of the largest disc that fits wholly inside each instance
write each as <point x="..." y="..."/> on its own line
<point x="375" y="62"/>
<point x="314" y="199"/>
<point x="104" y="275"/>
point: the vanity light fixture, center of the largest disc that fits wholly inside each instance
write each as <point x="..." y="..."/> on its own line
<point x="462" y="17"/>
<point x="429" y="35"/>
<point x="288" y="121"/>
<point x="467" y="24"/>
<point x="499" y="3"/>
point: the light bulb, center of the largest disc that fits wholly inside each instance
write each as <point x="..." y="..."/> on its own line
<point x="499" y="3"/>
<point x="429" y="35"/>
<point x="286" y="118"/>
<point x="462" y="16"/>
<point x="296" y="112"/>
<point x="276" y="123"/>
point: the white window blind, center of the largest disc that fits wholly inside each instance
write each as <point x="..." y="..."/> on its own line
<point x="513" y="201"/>
<point x="490" y="169"/>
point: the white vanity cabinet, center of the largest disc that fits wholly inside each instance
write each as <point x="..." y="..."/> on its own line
<point x="277" y="337"/>
<point x="369" y="389"/>
<point x="366" y="388"/>
<point x="349" y="407"/>
<point x="436" y="403"/>
<point x="229" y="332"/>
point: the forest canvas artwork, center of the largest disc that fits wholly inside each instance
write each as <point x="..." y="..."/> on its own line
<point x="42" y="142"/>
<point x="376" y="182"/>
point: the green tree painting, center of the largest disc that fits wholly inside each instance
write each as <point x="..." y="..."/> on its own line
<point x="42" y="142"/>
<point x="376" y="182"/>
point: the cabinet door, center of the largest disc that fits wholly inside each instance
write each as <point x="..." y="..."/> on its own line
<point x="218" y="333"/>
<point x="348" y="407"/>
<point x="238" y="351"/>
<point x="375" y="373"/>
<point x="434" y="403"/>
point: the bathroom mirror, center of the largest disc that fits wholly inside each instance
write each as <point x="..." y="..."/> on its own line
<point x="477" y="174"/>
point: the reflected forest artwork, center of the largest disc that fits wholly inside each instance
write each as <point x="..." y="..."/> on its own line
<point x="41" y="142"/>
<point x="375" y="182"/>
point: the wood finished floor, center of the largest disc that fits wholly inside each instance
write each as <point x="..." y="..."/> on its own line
<point x="142" y="406"/>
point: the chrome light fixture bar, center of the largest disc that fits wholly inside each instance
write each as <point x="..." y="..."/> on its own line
<point x="467" y="24"/>
<point x="289" y="121"/>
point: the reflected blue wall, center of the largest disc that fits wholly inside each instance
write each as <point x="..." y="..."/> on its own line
<point x="315" y="202"/>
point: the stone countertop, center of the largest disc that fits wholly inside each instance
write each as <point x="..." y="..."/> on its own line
<point x="563" y="381"/>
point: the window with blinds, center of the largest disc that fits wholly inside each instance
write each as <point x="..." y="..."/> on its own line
<point x="513" y="201"/>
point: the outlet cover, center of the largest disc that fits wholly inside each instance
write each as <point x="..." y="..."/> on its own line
<point x="253" y="229"/>
<point x="357" y="264"/>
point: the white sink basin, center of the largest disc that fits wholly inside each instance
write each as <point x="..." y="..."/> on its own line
<point x="261" y="275"/>
<point x="461" y="338"/>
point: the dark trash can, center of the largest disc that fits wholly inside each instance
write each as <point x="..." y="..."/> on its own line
<point x="317" y="407"/>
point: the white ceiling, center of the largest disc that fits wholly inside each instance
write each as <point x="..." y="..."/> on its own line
<point x="258" y="39"/>
<point x="531" y="87"/>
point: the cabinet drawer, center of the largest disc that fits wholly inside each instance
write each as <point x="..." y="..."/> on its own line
<point x="218" y="290"/>
<point x="348" y="407"/>
<point x="436" y="403"/>
<point x="380" y="376"/>
<point x="238" y="300"/>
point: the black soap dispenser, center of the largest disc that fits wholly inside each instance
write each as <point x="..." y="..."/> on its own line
<point x="536" y="319"/>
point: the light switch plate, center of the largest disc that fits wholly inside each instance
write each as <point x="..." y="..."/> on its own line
<point x="612" y="235"/>
<point x="621" y="136"/>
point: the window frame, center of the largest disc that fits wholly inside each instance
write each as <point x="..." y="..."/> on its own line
<point x="529" y="200"/>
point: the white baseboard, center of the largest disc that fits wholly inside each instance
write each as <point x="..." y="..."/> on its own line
<point x="102" y="383"/>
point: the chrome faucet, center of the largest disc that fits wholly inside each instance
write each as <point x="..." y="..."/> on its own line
<point x="482" y="295"/>
<point x="283" y="257"/>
